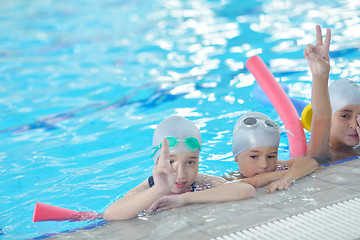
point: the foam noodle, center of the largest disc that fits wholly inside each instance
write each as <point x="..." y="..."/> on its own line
<point x="45" y="212"/>
<point x="282" y="104"/>
<point x="259" y="96"/>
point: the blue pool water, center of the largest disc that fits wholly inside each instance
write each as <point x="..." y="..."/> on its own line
<point x="84" y="83"/>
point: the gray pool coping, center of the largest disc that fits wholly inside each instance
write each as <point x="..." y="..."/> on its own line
<point x="329" y="185"/>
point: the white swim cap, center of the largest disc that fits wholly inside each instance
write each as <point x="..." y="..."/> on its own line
<point x="179" y="128"/>
<point x="253" y="130"/>
<point x="343" y="92"/>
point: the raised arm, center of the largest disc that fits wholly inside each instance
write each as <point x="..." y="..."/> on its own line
<point x="300" y="167"/>
<point x="141" y="197"/>
<point x="318" y="60"/>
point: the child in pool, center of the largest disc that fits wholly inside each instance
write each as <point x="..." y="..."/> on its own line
<point x="175" y="180"/>
<point x="255" y="145"/>
<point x="336" y="109"/>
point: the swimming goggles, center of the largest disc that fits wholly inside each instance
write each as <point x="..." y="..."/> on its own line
<point x="253" y="122"/>
<point x="190" y="142"/>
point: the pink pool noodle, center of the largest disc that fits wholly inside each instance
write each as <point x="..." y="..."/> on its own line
<point x="45" y="212"/>
<point x="281" y="103"/>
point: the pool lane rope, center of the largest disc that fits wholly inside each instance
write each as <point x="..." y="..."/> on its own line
<point x="281" y="103"/>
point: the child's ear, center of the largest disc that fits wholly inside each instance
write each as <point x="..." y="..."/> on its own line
<point x="236" y="159"/>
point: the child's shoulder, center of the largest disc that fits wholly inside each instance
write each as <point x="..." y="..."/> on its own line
<point x="205" y="181"/>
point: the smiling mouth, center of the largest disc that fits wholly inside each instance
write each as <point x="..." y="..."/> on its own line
<point x="179" y="184"/>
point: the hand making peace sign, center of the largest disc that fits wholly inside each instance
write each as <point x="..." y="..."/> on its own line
<point x="318" y="55"/>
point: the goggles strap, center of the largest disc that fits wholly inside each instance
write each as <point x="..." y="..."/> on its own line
<point x="288" y="131"/>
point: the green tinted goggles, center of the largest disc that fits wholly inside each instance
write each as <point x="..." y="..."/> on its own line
<point x="191" y="143"/>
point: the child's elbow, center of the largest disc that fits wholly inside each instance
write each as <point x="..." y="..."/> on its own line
<point x="109" y="216"/>
<point x="251" y="191"/>
<point x="313" y="163"/>
<point x="248" y="190"/>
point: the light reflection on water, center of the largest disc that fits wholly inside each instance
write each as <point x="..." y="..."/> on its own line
<point x="85" y="83"/>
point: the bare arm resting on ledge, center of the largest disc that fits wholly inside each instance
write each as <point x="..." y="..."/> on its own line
<point x="171" y="172"/>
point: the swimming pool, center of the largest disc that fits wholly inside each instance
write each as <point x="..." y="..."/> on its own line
<point x="83" y="84"/>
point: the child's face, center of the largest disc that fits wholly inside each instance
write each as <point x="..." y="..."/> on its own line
<point x="186" y="165"/>
<point x="257" y="160"/>
<point x="343" y="126"/>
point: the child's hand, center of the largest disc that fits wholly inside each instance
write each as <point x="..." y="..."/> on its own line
<point x="318" y="55"/>
<point x="255" y="181"/>
<point x="169" y="201"/>
<point x="279" y="184"/>
<point x="163" y="174"/>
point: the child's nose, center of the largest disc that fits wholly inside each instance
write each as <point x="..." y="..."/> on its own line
<point x="262" y="163"/>
<point x="354" y="123"/>
<point x="181" y="173"/>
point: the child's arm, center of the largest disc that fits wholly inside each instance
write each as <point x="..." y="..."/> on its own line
<point x="141" y="197"/>
<point x="358" y="127"/>
<point x="133" y="204"/>
<point x="230" y="191"/>
<point x="300" y="167"/>
<point x="264" y="179"/>
<point x="318" y="60"/>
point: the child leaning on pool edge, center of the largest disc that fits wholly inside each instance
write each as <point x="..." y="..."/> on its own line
<point x="255" y="146"/>
<point x="175" y="180"/>
<point x="336" y="109"/>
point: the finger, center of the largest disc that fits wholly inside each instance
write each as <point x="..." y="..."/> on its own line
<point x="164" y="154"/>
<point x="163" y="208"/>
<point x="153" y="207"/>
<point x="159" y="206"/>
<point x="315" y="57"/>
<point x="271" y="188"/>
<point x="306" y="55"/>
<point x="318" y="35"/>
<point x="161" y="169"/>
<point x="327" y="39"/>
<point x="309" y="49"/>
<point x="161" y="203"/>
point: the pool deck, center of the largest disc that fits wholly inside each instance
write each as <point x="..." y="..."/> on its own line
<point x="330" y="185"/>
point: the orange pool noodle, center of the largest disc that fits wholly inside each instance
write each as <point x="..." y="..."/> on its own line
<point x="281" y="103"/>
